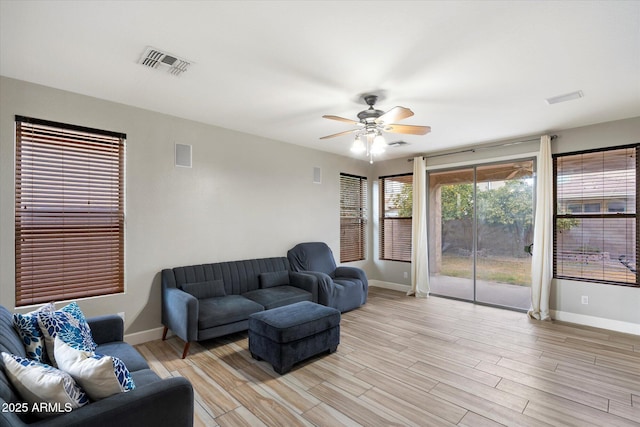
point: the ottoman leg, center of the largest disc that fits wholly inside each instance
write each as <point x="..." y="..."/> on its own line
<point x="333" y="349"/>
<point x="255" y="356"/>
<point x="282" y="369"/>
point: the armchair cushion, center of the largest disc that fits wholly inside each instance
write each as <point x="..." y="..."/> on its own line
<point x="274" y="278"/>
<point x="208" y="289"/>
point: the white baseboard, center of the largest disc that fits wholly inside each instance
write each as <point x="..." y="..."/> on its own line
<point x="390" y="285"/>
<point x="144" y="336"/>
<point x="596" y="322"/>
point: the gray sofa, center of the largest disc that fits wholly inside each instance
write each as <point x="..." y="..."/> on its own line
<point x="154" y="401"/>
<point x="206" y="301"/>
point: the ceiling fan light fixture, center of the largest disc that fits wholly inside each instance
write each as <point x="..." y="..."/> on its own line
<point x="358" y="146"/>
<point x="372" y="123"/>
<point x="378" y="145"/>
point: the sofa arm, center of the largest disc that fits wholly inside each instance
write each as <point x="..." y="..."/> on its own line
<point x="355" y="273"/>
<point x="107" y="328"/>
<point x="180" y="313"/>
<point x="168" y="402"/>
<point x="308" y="282"/>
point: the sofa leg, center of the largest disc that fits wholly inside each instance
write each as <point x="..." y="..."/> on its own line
<point x="186" y="349"/>
<point x="164" y="333"/>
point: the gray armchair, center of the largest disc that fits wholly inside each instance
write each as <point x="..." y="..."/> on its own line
<point x="343" y="288"/>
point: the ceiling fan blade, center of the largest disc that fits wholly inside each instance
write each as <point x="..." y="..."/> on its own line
<point x="512" y="174"/>
<point x="395" y="114"/>
<point x="340" y="119"/>
<point x="346" y="132"/>
<point x="409" y="129"/>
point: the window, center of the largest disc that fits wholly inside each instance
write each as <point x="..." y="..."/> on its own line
<point x="614" y="206"/>
<point x="69" y="211"/>
<point x="396" y="200"/>
<point x="592" y="207"/>
<point x="592" y="243"/>
<point x="353" y="217"/>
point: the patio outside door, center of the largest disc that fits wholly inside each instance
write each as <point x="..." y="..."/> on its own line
<point x="480" y="221"/>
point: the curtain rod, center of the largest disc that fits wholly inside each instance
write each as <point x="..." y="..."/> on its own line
<point x="485" y="147"/>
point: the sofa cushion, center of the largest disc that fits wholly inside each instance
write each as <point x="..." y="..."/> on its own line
<point x="144" y="377"/>
<point x="38" y="383"/>
<point x="125" y="352"/>
<point x="30" y="333"/>
<point x="219" y="311"/>
<point x="70" y="324"/>
<point x="100" y="376"/>
<point x="274" y="278"/>
<point x="207" y="289"/>
<point x="278" y="296"/>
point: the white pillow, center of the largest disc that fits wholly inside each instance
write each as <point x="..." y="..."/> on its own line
<point x="100" y="376"/>
<point x="39" y="384"/>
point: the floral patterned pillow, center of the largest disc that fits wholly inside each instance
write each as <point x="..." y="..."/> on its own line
<point x="37" y="383"/>
<point x="70" y="325"/>
<point x="31" y="335"/>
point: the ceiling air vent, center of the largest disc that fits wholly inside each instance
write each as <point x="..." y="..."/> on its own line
<point x="397" y="143"/>
<point x="155" y="58"/>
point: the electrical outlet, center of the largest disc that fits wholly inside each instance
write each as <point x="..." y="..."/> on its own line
<point x="406" y="275"/>
<point x="585" y="299"/>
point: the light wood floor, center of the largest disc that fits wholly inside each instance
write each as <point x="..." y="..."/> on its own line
<point x="421" y="362"/>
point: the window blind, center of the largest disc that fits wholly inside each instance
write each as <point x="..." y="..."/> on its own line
<point x="69" y="211"/>
<point x="396" y="201"/>
<point x="596" y="222"/>
<point x="353" y="217"/>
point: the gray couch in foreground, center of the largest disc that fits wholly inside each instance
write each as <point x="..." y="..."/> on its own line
<point x="206" y="301"/>
<point x="154" y="401"/>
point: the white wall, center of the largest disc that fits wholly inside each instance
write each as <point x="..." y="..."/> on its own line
<point x="245" y="197"/>
<point x="610" y="306"/>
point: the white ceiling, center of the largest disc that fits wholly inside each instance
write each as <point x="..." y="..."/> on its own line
<point x="473" y="71"/>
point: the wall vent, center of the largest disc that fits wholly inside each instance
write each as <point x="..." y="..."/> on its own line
<point x="564" y="98"/>
<point x="183" y="155"/>
<point x="397" y="143"/>
<point x="155" y="58"/>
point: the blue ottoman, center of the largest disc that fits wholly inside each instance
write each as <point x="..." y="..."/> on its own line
<point x="289" y="334"/>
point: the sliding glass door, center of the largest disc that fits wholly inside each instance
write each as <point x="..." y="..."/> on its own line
<point x="480" y="225"/>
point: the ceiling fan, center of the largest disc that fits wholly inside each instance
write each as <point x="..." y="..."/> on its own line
<point x="372" y="123"/>
<point x="521" y="170"/>
<point x="517" y="170"/>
